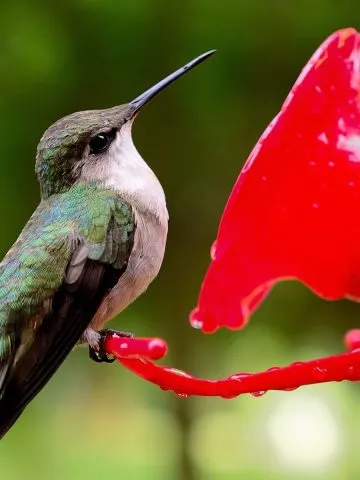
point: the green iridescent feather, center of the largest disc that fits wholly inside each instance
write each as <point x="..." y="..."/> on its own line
<point x="35" y="266"/>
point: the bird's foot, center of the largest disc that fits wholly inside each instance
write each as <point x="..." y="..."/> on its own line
<point x="99" y="353"/>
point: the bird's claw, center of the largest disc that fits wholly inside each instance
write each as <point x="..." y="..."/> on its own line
<point x="99" y="354"/>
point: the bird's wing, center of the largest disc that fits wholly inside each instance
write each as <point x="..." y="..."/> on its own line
<point x="52" y="282"/>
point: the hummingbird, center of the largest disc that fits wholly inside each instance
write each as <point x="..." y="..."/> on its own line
<point x="92" y="246"/>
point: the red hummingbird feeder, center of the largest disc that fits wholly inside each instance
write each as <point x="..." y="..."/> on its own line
<point x="293" y="214"/>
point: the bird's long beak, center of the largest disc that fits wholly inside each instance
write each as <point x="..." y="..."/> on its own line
<point x="142" y="99"/>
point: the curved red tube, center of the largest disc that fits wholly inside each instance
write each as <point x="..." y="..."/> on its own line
<point x="134" y="354"/>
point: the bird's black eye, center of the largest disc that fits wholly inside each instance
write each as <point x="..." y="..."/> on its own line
<point x="101" y="142"/>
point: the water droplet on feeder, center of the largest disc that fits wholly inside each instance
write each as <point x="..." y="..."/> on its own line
<point x="228" y="396"/>
<point x="323" y="138"/>
<point x="176" y="371"/>
<point x="181" y="395"/>
<point x="297" y="364"/>
<point x="258" y="394"/>
<point x="239" y="376"/>
<point x="195" y="322"/>
<point x="213" y="251"/>
<point x="319" y="373"/>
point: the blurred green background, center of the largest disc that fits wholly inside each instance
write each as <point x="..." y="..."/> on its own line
<point x="95" y="421"/>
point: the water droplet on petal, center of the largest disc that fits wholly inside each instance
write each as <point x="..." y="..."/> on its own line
<point x="331" y="164"/>
<point x="341" y="125"/>
<point x="213" y="251"/>
<point x="273" y="369"/>
<point x="260" y="393"/>
<point x="195" y="322"/>
<point x="323" y="138"/>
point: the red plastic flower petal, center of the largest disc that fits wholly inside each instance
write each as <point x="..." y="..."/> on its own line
<point x="294" y="211"/>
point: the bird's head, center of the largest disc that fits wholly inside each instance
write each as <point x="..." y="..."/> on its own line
<point x="96" y="145"/>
